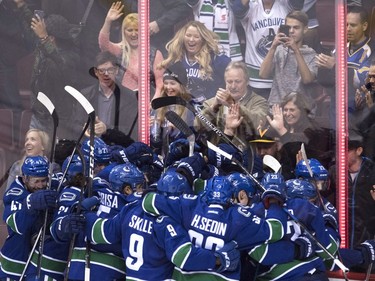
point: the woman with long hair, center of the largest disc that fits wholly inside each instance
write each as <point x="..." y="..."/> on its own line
<point x="37" y="143"/>
<point x="196" y="47"/>
<point x="174" y="84"/>
<point x="127" y="50"/>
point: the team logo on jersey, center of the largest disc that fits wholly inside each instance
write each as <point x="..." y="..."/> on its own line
<point x="15" y="191"/>
<point x="68" y="196"/>
<point x="264" y="45"/>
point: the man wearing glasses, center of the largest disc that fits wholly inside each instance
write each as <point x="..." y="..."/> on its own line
<point x="115" y="106"/>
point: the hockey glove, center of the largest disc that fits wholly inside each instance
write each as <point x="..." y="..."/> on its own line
<point x="330" y="220"/>
<point x="274" y="194"/>
<point x="139" y="154"/>
<point x="156" y="162"/>
<point x="228" y="256"/>
<point x="368" y="252"/>
<point x="69" y="225"/>
<point x="88" y="204"/>
<point x="209" y="171"/>
<point x="41" y="200"/>
<point x="305" y="247"/>
<point x="179" y="149"/>
<point x="191" y="167"/>
<point x="119" y="155"/>
<point x="151" y="172"/>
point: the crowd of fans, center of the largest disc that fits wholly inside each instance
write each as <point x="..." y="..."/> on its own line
<point x="252" y="74"/>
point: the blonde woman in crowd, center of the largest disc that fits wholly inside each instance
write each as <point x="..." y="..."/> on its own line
<point x="37" y="142"/>
<point x="127" y="50"/>
<point x="196" y="47"/>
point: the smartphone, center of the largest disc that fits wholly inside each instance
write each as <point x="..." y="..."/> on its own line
<point x="39" y="13"/>
<point x="368" y="86"/>
<point x="284" y="29"/>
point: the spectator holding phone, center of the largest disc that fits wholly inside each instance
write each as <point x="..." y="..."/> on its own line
<point x="291" y="63"/>
<point x="54" y="67"/>
<point x="259" y="36"/>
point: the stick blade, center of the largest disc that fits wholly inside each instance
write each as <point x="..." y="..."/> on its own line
<point x="49" y="106"/>
<point x="272" y="162"/>
<point x="180" y="124"/>
<point x="165" y="101"/>
<point x="80" y="98"/>
<point x="304" y="157"/>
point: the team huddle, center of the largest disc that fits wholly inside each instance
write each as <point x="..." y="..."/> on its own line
<point x="201" y="217"/>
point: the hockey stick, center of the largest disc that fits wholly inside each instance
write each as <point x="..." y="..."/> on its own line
<point x="30" y="255"/>
<point x="177" y="121"/>
<point x="369" y="269"/>
<point x="91" y="113"/>
<point x="218" y="150"/>
<point x="165" y="101"/>
<point x="294" y="218"/>
<point x="79" y="207"/>
<point x="73" y="152"/>
<point x="272" y="162"/>
<point x="43" y="99"/>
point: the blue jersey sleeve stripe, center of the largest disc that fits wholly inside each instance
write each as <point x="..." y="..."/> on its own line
<point x="148" y="204"/>
<point x="276" y="230"/>
<point x="97" y="233"/>
<point x="11" y="222"/>
<point x="181" y="254"/>
<point x="259" y="252"/>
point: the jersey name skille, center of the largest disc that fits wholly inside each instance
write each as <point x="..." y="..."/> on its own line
<point x="151" y="246"/>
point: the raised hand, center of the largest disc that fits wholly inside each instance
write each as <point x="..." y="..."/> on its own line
<point x="39" y="27"/>
<point x="115" y="12"/>
<point x="223" y="97"/>
<point x="278" y="119"/>
<point x="233" y="119"/>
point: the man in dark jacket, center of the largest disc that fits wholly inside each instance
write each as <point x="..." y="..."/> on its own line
<point x="116" y="107"/>
<point x="361" y="181"/>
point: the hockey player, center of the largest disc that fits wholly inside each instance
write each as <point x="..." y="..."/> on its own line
<point x="107" y="262"/>
<point x="153" y="246"/>
<point x="212" y="221"/>
<point x="245" y="192"/>
<point x="25" y="204"/>
<point x="141" y="155"/>
<point x="319" y="177"/>
<point x="360" y="257"/>
<point x="298" y="260"/>
<point x="127" y="179"/>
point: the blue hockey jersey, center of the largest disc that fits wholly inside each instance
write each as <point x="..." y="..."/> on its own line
<point x="151" y="246"/>
<point x="211" y="226"/>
